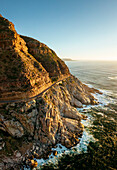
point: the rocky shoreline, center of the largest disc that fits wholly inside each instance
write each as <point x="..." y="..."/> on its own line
<point x="38" y="125"/>
<point x="101" y="152"/>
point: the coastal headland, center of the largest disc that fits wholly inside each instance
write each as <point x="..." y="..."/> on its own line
<point x="38" y="99"/>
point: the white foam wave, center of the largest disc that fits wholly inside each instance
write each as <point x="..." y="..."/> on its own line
<point x="82" y="146"/>
<point x="113" y="78"/>
<point x="105" y="98"/>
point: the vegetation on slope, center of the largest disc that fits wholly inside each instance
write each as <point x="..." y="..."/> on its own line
<point x="47" y="57"/>
<point x="22" y="74"/>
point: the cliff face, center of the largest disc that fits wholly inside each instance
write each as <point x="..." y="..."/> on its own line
<point x="47" y="57"/>
<point x="27" y="68"/>
<point x="23" y="75"/>
<point x="39" y="124"/>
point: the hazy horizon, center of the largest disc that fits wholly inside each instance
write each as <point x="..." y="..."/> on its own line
<point x="85" y="59"/>
<point x="85" y="30"/>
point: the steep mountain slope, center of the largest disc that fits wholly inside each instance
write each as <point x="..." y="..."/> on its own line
<point x="23" y="75"/>
<point x="47" y="57"/>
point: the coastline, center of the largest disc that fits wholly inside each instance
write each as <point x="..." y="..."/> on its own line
<point x="94" y="114"/>
<point x="85" y="139"/>
<point x="75" y="118"/>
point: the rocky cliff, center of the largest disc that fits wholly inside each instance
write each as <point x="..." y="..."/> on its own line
<point x="47" y="57"/>
<point x="24" y="75"/>
<point x="27" y="68"/>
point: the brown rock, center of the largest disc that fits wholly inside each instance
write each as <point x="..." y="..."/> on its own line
<point x="14" y="128"/>
<point x="76" y="103"/>
<point x="17" y="154"/>
<point x="55" y="153"/>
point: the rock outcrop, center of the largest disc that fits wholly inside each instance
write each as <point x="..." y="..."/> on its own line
<point x="27" y="68"/>
<point x="47" y="57"/>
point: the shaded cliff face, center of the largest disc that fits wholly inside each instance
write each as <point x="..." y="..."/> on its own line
<point x="47" y="57"/>
<point x="23" y="75"/>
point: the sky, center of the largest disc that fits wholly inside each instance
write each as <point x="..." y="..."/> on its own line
<point x="76" y="29"/>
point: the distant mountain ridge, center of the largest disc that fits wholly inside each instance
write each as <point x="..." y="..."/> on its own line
<point x="67" y="59"/>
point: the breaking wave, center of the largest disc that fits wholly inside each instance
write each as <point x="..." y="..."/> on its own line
<point x="113" y="78"/>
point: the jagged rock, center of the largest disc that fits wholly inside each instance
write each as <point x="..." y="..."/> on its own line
<point x="67" y="143"/>
<point x="76" y="103"/>
<point x="48" y="119"/>
<point x="71" y="112"/>
<point x="14" y="128"/>
<point x="1" y="139"/>
<point x="55" y="153"/>
<point x="73" y="125"/>
<point x="2" y="145"/>
<point x="17" y="154"/>
<point x="1" y="165"/>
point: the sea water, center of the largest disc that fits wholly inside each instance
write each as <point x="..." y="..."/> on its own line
<point x="101" y="75"/>
<point x="98" y="74"/>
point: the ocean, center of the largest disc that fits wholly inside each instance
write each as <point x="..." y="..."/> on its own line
<point x="99" y="74"/>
